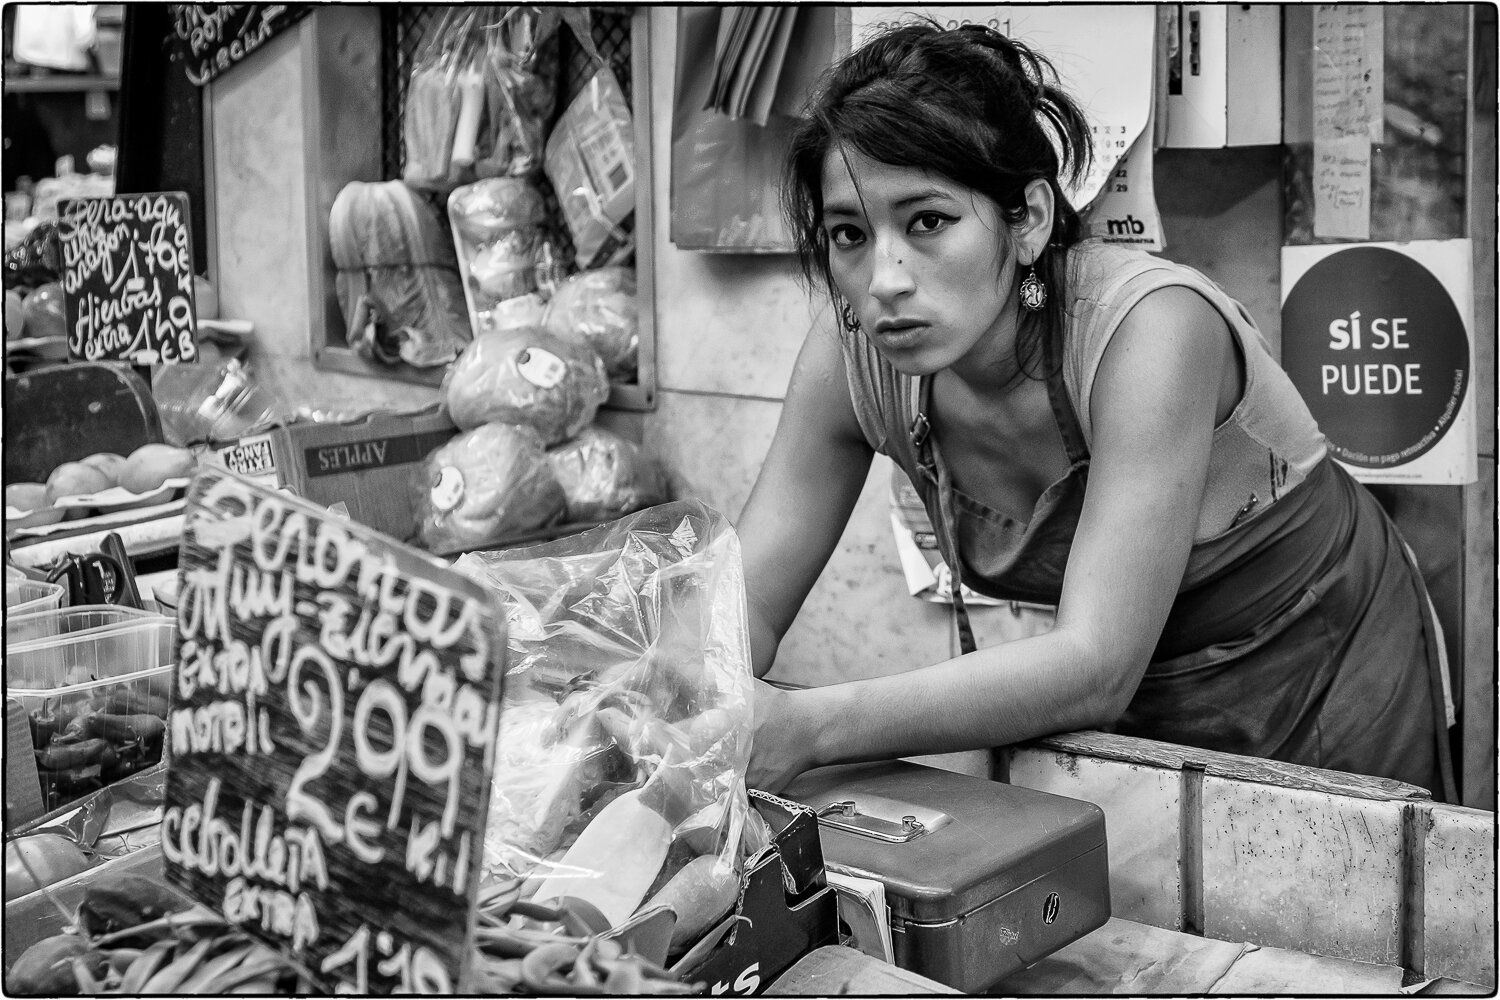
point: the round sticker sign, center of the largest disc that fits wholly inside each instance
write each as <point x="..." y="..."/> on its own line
<point x="1377" y="348"/>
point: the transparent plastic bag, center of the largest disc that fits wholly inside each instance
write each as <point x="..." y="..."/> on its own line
<point x="526" y="376"/>
<point x="484" y="486"/>
<point x="605" y="476"/>
<point x="628" y="700"/>
<point x="599" y="308"/>
<point x="500" y="237"/>
<point x="520" y="93"/>
<point x="590" y="161"/>
<point x="203" y="402"/>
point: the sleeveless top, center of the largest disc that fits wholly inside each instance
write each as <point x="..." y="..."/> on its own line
<point x="1263" y="449"/>
<point x="1298" y="632"/>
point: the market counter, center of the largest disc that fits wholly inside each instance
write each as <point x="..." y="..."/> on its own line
<point x="1127" y="958"/>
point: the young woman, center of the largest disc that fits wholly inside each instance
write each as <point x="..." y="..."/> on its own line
<point x="1089" y="427"/>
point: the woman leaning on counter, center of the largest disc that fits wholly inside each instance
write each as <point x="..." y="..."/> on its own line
<point x="1089" y="427"/>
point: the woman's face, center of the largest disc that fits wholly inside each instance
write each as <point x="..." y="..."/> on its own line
<point x="924" y="262"/>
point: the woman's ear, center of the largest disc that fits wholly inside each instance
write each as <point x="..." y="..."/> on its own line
<point x="1036" y="229"/>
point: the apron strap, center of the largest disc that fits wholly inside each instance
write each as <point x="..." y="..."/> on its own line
<point x="1437" y="660"/>
<point x="918" y="397"/>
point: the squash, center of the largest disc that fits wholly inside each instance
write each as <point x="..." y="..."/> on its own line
<point x="615" y="858"/>
<point x="701" y="893"/>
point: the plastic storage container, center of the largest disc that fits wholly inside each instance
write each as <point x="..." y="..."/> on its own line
<point x="21" y="630"/>
<point x="96" y="702"/>
<point x="25" y="596"/>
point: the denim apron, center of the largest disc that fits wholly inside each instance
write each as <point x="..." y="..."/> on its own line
<point x="1302" y="634"/>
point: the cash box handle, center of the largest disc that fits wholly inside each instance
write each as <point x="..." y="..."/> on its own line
<point x="845" y="815"/>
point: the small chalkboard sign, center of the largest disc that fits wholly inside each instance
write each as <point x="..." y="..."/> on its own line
<point x="333" y="726"/>
<point x="209" y="38"/>
<point x="127" y="278"/>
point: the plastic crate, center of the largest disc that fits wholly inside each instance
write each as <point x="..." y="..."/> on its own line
<point x="25" y="596"/>
<point x="23" y="630"/>
<point x="73" y="758"/>
<point x="94" y="691"/>
<point x="92" y="655"/>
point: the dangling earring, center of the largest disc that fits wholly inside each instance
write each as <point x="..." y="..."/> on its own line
<point x="1033" y="292"/>
<point x="846" y="313"/>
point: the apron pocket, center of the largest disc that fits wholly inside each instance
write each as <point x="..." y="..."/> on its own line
<point x="1218" y="655"/>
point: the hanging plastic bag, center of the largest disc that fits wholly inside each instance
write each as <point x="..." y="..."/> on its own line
<point x="520" y="92"/>
<point x="591" y="164"/>
<point x="441" y="122"/>
<point x="626" y="719"/>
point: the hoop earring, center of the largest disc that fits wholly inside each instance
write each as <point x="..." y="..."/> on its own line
<point x="846" y="314"/>
<point x="1033" y="292"/>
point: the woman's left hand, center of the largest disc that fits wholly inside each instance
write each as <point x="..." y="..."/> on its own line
<point x="781" y="747"/>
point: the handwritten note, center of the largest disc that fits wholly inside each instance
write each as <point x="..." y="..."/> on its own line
<point x="128" y="278"/>
<point x="1348" y="71"/>
<point x="333" y="735"/>
<point x="1341" y="187"/>
<point x="1348" y="115"/>
<point x="209" y="38"/>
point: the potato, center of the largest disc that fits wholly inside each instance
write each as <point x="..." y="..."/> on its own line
<point x="150" y="465"/>
<point x="26" y="496"/>
<point x="108" y="463"/>
<point x="73" y="479"/>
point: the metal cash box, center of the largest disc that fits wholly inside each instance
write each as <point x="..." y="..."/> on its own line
<point x="982" y="878"/>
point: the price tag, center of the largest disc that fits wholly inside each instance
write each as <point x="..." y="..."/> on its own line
<point x="542" y="369"/>
<point x="333" y="726"/>
<point x="127" y="278"/>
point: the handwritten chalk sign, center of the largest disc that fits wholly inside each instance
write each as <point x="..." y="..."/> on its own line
<point x="332" y="738"/>
<point x="127" y="278"/>
<point x="210" y="38"/>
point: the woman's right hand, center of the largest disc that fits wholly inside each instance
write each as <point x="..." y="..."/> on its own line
<point x="782" y="744"/>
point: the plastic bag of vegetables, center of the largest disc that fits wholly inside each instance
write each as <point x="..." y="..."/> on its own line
<point x="625" y="726"/>
<point x="599" y="308"/>
<point x="604" y="475"/>
<point x="483" y="486"/>
<point x="526" y="376"/>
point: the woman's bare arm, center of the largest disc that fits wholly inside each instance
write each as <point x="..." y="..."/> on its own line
<point x="804" y="494"/>
<point x="1153" y="410"/>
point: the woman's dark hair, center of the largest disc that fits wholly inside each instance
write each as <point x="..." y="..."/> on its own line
<point x="981" y="109"/>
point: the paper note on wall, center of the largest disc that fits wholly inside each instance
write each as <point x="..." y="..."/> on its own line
<point x="1348" y="103"/>
<point x="1103" y="54"/>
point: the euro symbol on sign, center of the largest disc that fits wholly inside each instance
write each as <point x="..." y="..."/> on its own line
<point x="1050" y="907"/>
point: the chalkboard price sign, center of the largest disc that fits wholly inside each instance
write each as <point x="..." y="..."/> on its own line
<point x="127" y="278"/>
<point x="333" y="727"/>
<point x="210" y="38"/>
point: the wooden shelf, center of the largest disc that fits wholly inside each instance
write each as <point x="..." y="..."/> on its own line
<point x="60" y="84"/>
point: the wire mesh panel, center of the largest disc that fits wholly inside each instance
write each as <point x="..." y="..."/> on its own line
<point x="403" y="29"/>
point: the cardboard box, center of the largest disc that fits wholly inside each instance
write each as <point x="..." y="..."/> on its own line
<point x="1224" y="76"/>
<point x="365" y="464"/>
